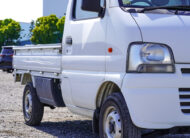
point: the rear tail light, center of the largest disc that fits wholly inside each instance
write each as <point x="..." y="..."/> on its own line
<point x="1" y="55"/>
<point x="11" y="55"/>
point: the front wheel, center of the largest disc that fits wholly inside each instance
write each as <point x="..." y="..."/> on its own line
<point x="115" y="120"/>
<point x="33" y="109"/>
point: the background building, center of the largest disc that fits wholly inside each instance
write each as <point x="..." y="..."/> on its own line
<point x="57" y="7"/>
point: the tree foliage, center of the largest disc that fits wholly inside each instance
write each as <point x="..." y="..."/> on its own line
<point x="9" y="32"/>
<point x="31" y="28"/>
<point x="60" y="27"/>
<point x="48" y="29"/>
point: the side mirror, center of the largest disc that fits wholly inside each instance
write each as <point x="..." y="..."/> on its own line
<point x="91" y="5"/>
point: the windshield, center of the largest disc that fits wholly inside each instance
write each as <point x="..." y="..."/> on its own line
<point x="154" y="3"/>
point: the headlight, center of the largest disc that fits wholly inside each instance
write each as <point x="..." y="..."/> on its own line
<point x="150" y="58"/>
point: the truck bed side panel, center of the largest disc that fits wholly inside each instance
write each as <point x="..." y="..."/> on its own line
<point x="38" y="58"/>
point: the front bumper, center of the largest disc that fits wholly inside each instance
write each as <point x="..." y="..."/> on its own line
<point x="154" y="99"/>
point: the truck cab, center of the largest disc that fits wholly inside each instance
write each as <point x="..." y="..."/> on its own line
<point x="123" y="63"/>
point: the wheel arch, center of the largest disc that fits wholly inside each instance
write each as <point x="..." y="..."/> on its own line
<point x="26" y="78"/>
<point x="105" y="90"/>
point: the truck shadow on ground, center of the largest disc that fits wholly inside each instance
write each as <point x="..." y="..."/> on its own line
<point x="83" y="129"/>
<point x="68" y="129"/>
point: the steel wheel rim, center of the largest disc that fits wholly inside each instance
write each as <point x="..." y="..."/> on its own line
<point x="112" y="124"/>
<point x="28" y="105"/>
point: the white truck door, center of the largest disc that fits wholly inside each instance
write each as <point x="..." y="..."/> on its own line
<point x="84" y="54"/>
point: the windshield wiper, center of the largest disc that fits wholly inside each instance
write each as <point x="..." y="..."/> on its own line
<point x="184" y="8"/>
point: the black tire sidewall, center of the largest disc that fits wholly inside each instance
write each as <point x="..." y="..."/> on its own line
<point x="37" y="107"/>
<point x="128" y="128"/>
<point x="23" y="100"/>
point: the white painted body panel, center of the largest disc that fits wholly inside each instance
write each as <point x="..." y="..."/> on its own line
<point x="85" y="65"/>
<point x="153" y="99"/>
<point x="84" y="61"/>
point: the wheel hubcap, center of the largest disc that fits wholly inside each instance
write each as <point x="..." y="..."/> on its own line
<point x="112" y="123"/>
<point x="28" y="105"/>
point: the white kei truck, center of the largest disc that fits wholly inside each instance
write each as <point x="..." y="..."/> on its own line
<point x="123" y="63"/>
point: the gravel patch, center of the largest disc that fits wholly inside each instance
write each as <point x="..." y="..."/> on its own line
<point x="56" y="123"/>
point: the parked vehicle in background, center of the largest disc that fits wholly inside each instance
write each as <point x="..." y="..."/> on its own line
<point x="123" y="63"/>
<point x="6" y="58"/>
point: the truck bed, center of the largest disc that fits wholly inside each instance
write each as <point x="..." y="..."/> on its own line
<point x="42" y="58"/>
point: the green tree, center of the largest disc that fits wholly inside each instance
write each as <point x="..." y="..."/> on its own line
<point x="9" y="32"/>
<point x="45" y="30"/>
<point x="48" y="29"/>
<point x="60" y="27"/>
<point x="31" y="28"/>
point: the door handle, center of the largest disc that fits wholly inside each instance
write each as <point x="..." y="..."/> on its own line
<point x="69" y="40"/>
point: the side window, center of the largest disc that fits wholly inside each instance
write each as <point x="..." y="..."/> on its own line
<point x="80" y="14"/>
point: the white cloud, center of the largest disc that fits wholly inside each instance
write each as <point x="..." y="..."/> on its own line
<point x="21" y="10"/>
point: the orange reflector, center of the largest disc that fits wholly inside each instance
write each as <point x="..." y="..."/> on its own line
<point x="110" y="50"/>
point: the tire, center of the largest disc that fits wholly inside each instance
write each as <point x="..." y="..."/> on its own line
<point x="115" y="120"/>
<point x="10" y="71"/>
<point x="95" y="122"/>
<point x="33" y="109"/>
